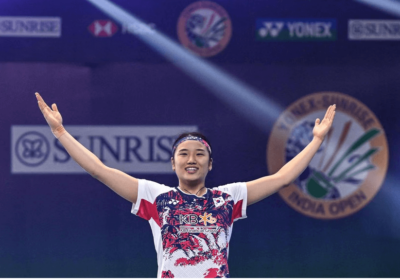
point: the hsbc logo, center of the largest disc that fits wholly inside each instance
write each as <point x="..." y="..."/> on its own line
<point x="103" y="28"/>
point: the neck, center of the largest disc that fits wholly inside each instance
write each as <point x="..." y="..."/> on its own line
<point x="198" y="189"/>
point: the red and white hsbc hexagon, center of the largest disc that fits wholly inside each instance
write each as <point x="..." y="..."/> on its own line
<point x="103" y="28"/>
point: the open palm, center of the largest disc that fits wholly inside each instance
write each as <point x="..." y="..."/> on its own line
<point x="53" y="117"/>
<point x="321" y="128"/>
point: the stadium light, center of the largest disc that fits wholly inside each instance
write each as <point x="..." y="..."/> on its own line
<point x="389" y="6"/>
<point x="258" y="109"/>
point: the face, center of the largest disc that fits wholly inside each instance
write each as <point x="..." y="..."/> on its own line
<point x="192" y="162"/>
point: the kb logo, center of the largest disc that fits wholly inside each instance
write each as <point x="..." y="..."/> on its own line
<point x="32" y="148"/>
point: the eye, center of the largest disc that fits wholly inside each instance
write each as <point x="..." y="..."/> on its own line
<point x="200" y="154"/>
<point x="182" y="154"/>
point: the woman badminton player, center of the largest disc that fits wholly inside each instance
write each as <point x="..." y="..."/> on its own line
<point x="191" y="224"/>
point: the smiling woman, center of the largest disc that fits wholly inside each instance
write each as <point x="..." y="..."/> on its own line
<point x="193" y="157"/>
<point x="191" y="224"/>
<point x="194" y="222"/>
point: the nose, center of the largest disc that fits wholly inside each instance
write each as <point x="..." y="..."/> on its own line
<point x="192" y="159"/>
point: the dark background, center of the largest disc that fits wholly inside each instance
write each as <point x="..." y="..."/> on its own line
<point x="72" y="226"/>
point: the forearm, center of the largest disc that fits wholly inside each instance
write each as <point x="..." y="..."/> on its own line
<point x="85" y="158"/>
<point x="121" y="183"/>
<point x="291" y="170"/>
<point x="265" y="186"/>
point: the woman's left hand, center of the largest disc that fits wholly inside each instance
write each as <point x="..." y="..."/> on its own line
<point x="321" y="128"/>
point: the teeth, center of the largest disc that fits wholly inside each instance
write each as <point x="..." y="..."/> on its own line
<point x="191" y="169"/>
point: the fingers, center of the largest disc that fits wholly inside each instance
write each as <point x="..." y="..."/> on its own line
<point x="317" y="121"/>
<point x="54" y="107"/>
<point x="333" y="115"/>
<point x="41" y="103"/>
<point x="330" y="113"/>
<point x="39" y="98"/>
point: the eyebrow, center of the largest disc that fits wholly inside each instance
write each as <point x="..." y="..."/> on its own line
<point x="184" y="150"/>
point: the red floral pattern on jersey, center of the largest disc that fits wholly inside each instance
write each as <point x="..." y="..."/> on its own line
<point x="167" y="274"/>
<point x="195" y="231"/>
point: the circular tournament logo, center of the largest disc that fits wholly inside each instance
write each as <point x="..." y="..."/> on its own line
<point x="32" y="148"/>
<point x="349" y="167"/>
<point x="205" y="28"/>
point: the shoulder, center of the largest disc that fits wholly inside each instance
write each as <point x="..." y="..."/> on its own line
<point x="153" y="189"/>
<point x="228" y="188"/>
<point x="236" y="190"/>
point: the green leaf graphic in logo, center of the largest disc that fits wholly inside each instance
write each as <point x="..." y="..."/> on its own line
<point x="319" y="184"/>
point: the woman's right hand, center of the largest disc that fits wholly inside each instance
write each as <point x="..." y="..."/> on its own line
<point x="53" y="117"/>
<point x="123" y="184"/>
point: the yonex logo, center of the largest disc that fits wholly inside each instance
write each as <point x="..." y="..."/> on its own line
<point x="268" y="29"/>
<point x="271" y="28"/>
<point x="32" y="148"/>
<point x="173" y="201"/>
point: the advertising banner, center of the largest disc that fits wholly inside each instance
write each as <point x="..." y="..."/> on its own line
<point x="30" y="26"/>
<point x="132" y="149"/>
<point x="285" y="29"/>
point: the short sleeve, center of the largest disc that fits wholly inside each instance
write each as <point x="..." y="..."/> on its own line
<point x="145" y="206"/>
<point x="238" y="191"/>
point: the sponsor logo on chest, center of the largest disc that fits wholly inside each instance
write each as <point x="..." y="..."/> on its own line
<point x="193" y="219"/>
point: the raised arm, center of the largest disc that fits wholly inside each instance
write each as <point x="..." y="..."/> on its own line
<point x="120" y="182"/>
<point x="265" y="186"/>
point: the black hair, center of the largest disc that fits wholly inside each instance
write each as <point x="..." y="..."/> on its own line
<point x="194" y="133"/>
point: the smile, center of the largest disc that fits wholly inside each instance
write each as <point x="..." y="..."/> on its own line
<point x="191" y="170"/>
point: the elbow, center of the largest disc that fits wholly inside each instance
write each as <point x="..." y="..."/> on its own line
<point x="96" y="171"/>
<point x="284" y="179"/>
<point x="93" y="173"/>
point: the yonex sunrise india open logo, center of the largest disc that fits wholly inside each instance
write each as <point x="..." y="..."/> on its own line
<point x="348" y="169"/>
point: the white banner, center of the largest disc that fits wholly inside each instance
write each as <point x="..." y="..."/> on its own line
<point x="374" y="29"/>
<point x="132" y="149"/>
<point x="30" y="26"/>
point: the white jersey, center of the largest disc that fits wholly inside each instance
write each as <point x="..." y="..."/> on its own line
<point x="191" y="233"/>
